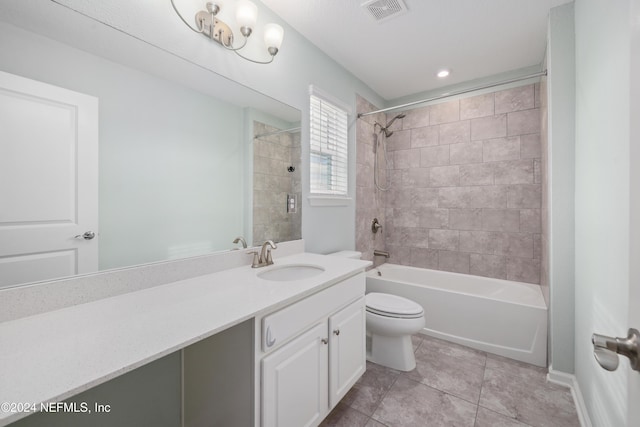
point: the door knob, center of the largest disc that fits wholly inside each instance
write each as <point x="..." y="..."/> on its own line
<point x="606" y="350"/>
<point x="88" y="235"/>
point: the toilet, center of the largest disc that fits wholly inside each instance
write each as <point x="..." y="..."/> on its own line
<point x="391" y="320"/>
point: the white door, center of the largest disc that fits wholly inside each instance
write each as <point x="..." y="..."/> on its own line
<point x="48" y="181"/>
<point x="347" y="349"/>
<point x="607" y="286"/>
<point x="294" y="381"/>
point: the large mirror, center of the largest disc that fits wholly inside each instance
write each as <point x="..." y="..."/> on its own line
<point x="186" y="160"/>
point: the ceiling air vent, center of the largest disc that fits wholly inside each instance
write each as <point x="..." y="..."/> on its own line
<point x="382" y="10"/>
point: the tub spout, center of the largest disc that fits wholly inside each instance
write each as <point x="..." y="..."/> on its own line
<point x="381" y="253"/>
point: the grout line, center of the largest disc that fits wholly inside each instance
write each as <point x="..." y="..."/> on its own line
<point x="357" y="410"/>
<point x="484" y="370"/>
<point x="475" y="419"/>
<point x="443" y="392"/>
<point x="506" y="416"/>
<point x="512" y="379"/>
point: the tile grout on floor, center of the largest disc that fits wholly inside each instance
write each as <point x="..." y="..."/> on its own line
<point x="504" y="383"/>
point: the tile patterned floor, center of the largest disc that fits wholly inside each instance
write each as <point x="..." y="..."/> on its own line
<point x="456" y="386"/>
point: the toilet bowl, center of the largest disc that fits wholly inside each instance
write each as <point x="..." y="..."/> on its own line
<point x="391" y="320"/>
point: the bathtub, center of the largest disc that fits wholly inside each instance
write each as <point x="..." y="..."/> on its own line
<point x="497" y="316"/>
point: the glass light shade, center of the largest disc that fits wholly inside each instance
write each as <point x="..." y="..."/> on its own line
<point x="246" y="14"/>
<point x="273" y="35"/>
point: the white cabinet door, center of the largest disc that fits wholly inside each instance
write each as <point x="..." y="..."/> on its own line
<point x="347" y="361"/>
<point x="48" y="181"/>
<point x="294" y="381"/>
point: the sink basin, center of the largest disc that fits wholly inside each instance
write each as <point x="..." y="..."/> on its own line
<point x="290" y="272"/>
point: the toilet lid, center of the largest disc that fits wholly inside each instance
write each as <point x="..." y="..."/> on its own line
<point x="392" y="306"/>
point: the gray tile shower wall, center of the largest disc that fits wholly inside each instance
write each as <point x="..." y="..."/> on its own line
<point x="465" y="186"/>
<point x="272" y="181"/>
<point x="370" y="203"/>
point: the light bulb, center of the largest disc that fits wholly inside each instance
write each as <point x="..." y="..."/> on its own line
<point x="246" y="14"/>
<point x="443" y="73"/>
<point x="273" y="35"/>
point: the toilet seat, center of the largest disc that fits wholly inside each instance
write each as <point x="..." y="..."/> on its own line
<point x="393" y="306"/>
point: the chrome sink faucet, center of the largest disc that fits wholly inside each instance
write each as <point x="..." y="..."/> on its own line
<point x="241" y="240"/>
<point x="264" y="258"/>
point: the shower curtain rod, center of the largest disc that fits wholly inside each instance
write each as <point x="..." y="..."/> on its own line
<point x="454" y="93"/>
<point x="277" y="132"/>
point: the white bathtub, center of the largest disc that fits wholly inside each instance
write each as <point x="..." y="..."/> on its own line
<point x="497" y="316"/>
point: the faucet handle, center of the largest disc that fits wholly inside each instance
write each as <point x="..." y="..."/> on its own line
<point x="256" y="259"/>
<point x="269" y="259"/>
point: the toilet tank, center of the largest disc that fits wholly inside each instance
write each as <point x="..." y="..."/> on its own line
<point x="347" y="254"/>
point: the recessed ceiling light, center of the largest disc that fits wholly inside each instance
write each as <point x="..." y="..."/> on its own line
<point x="443" y="73"/>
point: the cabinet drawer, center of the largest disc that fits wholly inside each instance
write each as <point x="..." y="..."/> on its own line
<point x="282" y="325"/>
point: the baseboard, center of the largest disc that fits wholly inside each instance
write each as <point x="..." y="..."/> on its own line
<point x="569" y="380"/>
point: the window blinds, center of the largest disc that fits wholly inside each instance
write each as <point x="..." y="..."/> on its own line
<point x="329" y="144"/>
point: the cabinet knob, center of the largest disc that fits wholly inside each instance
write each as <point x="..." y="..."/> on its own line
<point x="325" y="341"/>
<point x="336" y="331"/>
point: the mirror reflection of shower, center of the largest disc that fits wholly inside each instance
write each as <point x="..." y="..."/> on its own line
<point x="380" y="146"/>
<point x="277" y="185"/>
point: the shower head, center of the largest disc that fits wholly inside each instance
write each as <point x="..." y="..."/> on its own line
<point x="387" y="132"/>
<point x="399" y="116"/>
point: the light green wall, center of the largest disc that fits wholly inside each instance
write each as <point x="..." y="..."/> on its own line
<point x="561" y="169"/>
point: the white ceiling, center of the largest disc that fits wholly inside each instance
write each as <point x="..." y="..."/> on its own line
<point x="398" y="57"/>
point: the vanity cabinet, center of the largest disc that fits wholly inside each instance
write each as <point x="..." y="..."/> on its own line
<point x="323" y="356"/>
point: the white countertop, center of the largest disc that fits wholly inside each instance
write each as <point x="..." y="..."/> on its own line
<point x="55" y="355"/>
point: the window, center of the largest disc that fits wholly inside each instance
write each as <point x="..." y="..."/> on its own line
<point x="329" y="144"/>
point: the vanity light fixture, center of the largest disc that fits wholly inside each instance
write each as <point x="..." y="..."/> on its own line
<point x="246" y="17"/>
<point x="443" y="73"/>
